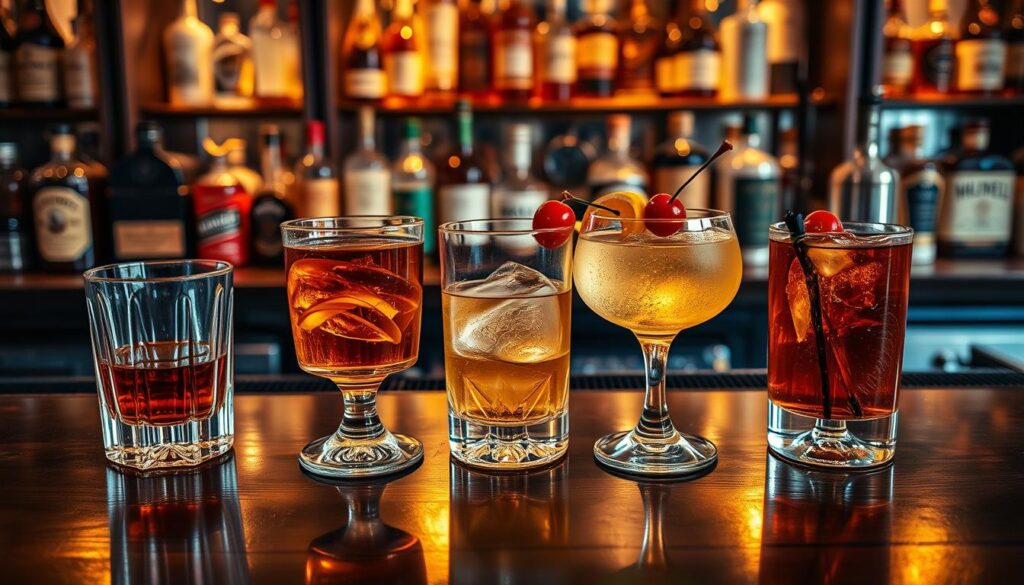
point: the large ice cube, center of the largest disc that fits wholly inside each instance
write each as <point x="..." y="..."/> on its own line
<point x="525" y="329"/>
<point x="851" y="297"/>
<point x="830" y="261"/>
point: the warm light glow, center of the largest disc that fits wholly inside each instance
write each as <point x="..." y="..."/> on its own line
<point x="454" y="161"/>
<point x="935" y="27"/>
<point x="711" y="5"/>
<point x="682" y="146"/>
<point x="406" y="32"/>
<point x="543" y="28"/>
<point x="412" y="164"/>
<point x="79" y="172"/>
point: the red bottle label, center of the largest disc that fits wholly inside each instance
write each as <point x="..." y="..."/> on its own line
<point x="222" y="223"/>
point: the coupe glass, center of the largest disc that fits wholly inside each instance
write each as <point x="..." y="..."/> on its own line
<point x="355" y="290"/>
<point x="656" y="287"/>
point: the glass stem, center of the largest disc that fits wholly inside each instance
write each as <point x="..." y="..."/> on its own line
<point x="654" y="421"/>
<point x="360" y="420"/>
<point x="829" y="428"/>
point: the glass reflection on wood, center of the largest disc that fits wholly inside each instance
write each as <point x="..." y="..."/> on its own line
<point x="184" y="527"/>
<point x="652" y="566"/>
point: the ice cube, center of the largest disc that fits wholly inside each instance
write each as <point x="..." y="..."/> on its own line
<point x="511" y="279"/>
<point x="799" y="301"/>
<point x="830" y="261"/>
<point x="851" y="297"/>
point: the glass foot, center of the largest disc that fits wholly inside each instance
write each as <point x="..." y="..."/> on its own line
<point x="508" y="447"/>
<point x="835" y="448"/>
<point x="680" y="454"/>
<point x="336" y="456"/>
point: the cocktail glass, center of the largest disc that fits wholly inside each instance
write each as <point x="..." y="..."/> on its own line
<point x="861" y="278"/>
<point x="656" y="287"/>
<point x="355" y="290"/>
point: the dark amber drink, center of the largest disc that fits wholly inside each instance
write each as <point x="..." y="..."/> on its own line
<point x="863" y="279"/>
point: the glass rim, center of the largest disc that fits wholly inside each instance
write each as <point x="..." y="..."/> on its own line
<point x="215" y="268"/>
<point x="855" y="228"/>
<point x="308" y="224"/>
<point x="703" y="215"/>
<point x="455" y="227"/>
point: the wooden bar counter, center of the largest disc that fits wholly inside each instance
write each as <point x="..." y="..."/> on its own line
<point x="949" y="510"/>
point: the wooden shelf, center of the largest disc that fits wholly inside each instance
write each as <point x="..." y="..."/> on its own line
<point x="47" y="114"/>
<point x="954" y="102"/>
<point x="165" y="110"/>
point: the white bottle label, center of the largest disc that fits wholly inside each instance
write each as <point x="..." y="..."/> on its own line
<point x="442" y="43"/>
<point x="149" y="239"/>
<point x="63" y="224"/>
<point x="698" y="70"/>
<point x="6" y="80"/>
<point x="368" y="192"/>
<point x="405" y="73"/>
<point x="513" y="63"/>
<point x="38" y="73"/>
<point x="321" y="198"/>
<point x="271" y="58"/>
<point x="190" y="72"/>
<point x="980" y="63"/>
<point x="464" y="202"/>
<point x="78" y="79"/>
<point x="897" y="68"/>
<point x="367" y="84"/>
<point x="560" y="63"/>
<point x="696" y="195"/>
<point x="978" y="208"/>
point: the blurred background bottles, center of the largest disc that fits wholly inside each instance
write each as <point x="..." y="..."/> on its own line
<point x="616" y="169"/>
<point x="597" y="52"/>
<point x="316" y="179"/>
<point x="16" y="229"/>
<point x="37" y="56"/>
<point x="270" y="206"/>
<point x="412" y="184"/>
<point x="232" y="63"/>
<point x="367" y="174"/>
<point x="442" y="20"/>
<point x="744" y="34"/>
<point x="750" y="187"/>
<point x="519" y="193"/>
<point x="464" y="185"/>
<point x="188" y="48"/>
<point x="921" y="189"/>
<point x="677" y="158"/>
<point x="864" y="188"/>
<point x="363" y="55"/>
<point x="638" y="48"/>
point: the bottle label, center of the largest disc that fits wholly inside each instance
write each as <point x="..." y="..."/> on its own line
<point x="6" y="80"/>
<point x="980" y="64"/>
<point x="442" y="44"/>
<point x="267" y="214"/>
<point x="12" y="252"/>
<point x="517" y="204"/>
<point x="187" y="83"/>
<point x="366" y="84"/>
<point x="137" y="239"/>
<point x="78" y="79"/>
<point x="666" y="78"/>
<point x="38" y="73"/>
<point x="937" y="64"/>
<point x="897" y="67"/>
<point x="560" y="60"/>
<point x="474" y="66"/>
<point x="463" y="202"/>
<point x="368" y="192"/>
<point x="754" y="209"/>
<point x="598" y="55"/>
<point x="405" y="73"/>
<point x="321" y="198"/>
<point x="698" y="69"/>
<point x="513" y="65"/>
<point x="696" y="195"/>
<point x="978" y="208"/>
<point x="418" y="201"/>
<point x="921" y="192"/>
<point x="63" y="224"/>
<point x="273" y="61"/>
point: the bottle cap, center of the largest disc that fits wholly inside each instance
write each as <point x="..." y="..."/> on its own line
<point x="314" y="132"/>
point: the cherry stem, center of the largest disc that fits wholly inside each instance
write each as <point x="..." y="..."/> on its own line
<point x="568" y="195"/>
<point x="724" y="148"/>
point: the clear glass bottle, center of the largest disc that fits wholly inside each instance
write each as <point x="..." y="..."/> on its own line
<point x="597" y="51"/>
<point x="981" y="50"/>
<point x="16" y="229"/>
<point x="271" y="54"/>
<point x="786" y="39"/>
<point x="556" y="43"/>
<point x="37" y="53"/>
<point x="362" y="55"/>
<point x="933" y="53"/>
<point x="188" y="48"/>
<point x="1014" y="34"/>
<point x="442" y="19"/>
<point x="367" y="173"/>
<point x="519" y="193"/>
<point x="616" y="169"/>
<point x="922" y="188"/>
<point x="412" y="184"/>
<point x="750" y="188"/>
<point x="864" y="188"/>
<point x="638" y="48"/>
<point x="316" y="179"/>
<point x="80" y="75"/>
<point x="464" y="187"/>
<point x="403" y="53"/>
<point x="676" y="159"/>
<point x="232" y="63"/>
<point x="270" y="206"/>
<point x="897" y="56"/>
<point x="744" y="54"/>
<point x="698" y="63"/>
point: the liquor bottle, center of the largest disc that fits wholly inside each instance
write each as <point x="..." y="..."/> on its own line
<point x="556" y="46"/>
<point x="442" y="18"/>
<point x="698" y="63"/>
<point x="785" y="20"/>
<point x="367" y="173"/>
<point x="1014" y="47"/>
<point x="475" y="49"/>
<point x="616" y="170"/>
<point x="232" y="63"/>
<point x="981" y="50"/>
<point x="80" y="80"/>
<point x="403" y="53"/>
<point x="270" y="207"/>
<point x="362" y="55"/>
<point x="464" y="190"/>
<point x="750" y="187"/>
<point x="597" y="50"/>
<point x="513" y="51"/>
<point x="921" y="191"/>
<point x="519" y="193"/>
<point x="222" y="208"/>
<point x="638" y="48"/>
<point x="676" y="159"/>
<point x="316" y="178"/>
<point x="238" y="165"/>
<point x="744" y="54"/>
<point x="567" y="159"/>
<point x="188" y="47"/>
<point x="412" y="184"/>
<point x="150" y="203"/>
<point x="864" y="188"/>
<point x="6" y="60"/>
<point x="271" y="55"/>
<point x="293" y="54"/>
<point x="932" y="47"/>
<point x="15" y="231"/>
<point x="975" y="218"/>
<point x="666" y="78"/>
<point x="37" y="53"/>
<point x="897" y="58"/>
<point x="66" y="207"/>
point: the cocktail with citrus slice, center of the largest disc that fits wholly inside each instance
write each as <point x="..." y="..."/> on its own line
<point x="355" y="289"/>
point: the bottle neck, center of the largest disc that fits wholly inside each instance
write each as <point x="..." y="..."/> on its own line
<point x="867" y="138"/>
<point x="367" y="135"/>
<point x="63" y="147"/>
<point x="520" y="156"/>
<point x="466" y="133"/>
<point x="189" y="9"/>
<point x="316" y="149"/>
<point x="976" y="139"/>
<point x="403" y="9"/>
<point x="270" y="164"/>
<point x="556" y="10"/>
<point x="365" y="9"/>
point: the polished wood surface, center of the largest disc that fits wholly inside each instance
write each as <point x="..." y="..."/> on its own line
<point x="949" y="510"/>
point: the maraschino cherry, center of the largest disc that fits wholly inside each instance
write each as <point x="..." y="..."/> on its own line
<point x="663" y="206"/>
<point x="821" y="221"/>
<point x="553" y="214"/>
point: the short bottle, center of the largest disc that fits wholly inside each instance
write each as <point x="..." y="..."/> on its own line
<point x="981" y="50"/>
<point x="403" y="54"/>
<point x="864" y="188"/>
<point x="464" y="185"/>
<point x="933" y="52"/>
<point x="597" y="52"/>
<point x="744" y="54"/>
<point x="698" y="63"/>
<point x="616" y="169"/>
<point x="222" y="208"/>
<point x="922" y="189"/>
<point x="232" y="64"/>
<point x="316" y="179"/>
<point x="37" y="55"/>
<point x="16" y="229"/>
<point x="188" y="48"/>
<point x="363" y="55"/>
<point x="556" y="55"/>
<point x="677" y="159"/>
<point x="412" y="184"/>
<point x="367" y="187"/>
<point x="270" y="206"/>
<point x="897" y="56"/>
<point x="80" y="74"/>
<point x="519" y="193"/>
<point x="638" y="49"/>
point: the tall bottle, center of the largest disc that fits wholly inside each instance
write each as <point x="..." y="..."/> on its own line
<point x="933" y="52"/>
<point x="557" y="55"/>
<point x="744" y="54"/>
<point x="316" y="178"/>
<point x="150" y="202"/>
<point x="222" y="208"/>
<point x="6" y="60"/>
<point x="638" y="48"/>
<point x="188" y="48"/>
<point x="362" y="55"/>
<point x="897" y="58"/>
<point x="271" y="206"/>
<point x="864" y="188"/>
<point x="403" y="53"/>
<point x="616" y="169"/>
<point x="66" y="206"/>
<point x="698" y="63"/>
<point x="597" y="52"/>
<point x="676" y="159"/>
<point x="80" y="75"/>
<point x="37" y="54"/>
<point x="513" y="51"/>
<point x="271" y="54"/>
<point x="921" y="191"/>
<point x="442" y="18"/>
<point x="232" y="63"/>
<point x="666" y="78"/>
<point x="750" y="187"/>
<point x="16" y="226"/>
<point x="519" y="193"/>
<point x="976" y="215"/>
<point x="475" y="47"/>
<point x="367" y="173"/>
<point x="464" y="190"/>
<point x="786" y="36"/>
<point x="1014" y="47"/>
<point x="981" y="50"/>
<point x="412" y="184"/>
